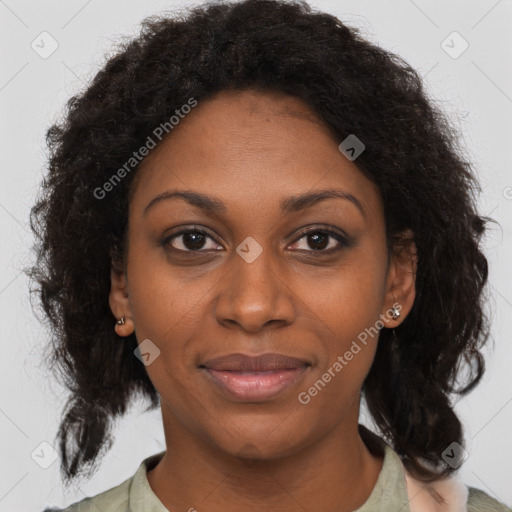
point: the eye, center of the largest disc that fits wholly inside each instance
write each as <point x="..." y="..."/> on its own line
<point x="314" y="240"/>
<point x="320" y="240"/>
<point x="191" y="240"/>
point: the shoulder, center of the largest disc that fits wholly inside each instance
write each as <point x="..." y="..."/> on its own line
<point x="449" y="494"/>
<point x="134" y="493"/>
<point x="479" y="501"/>
<point x="112" y="500"/>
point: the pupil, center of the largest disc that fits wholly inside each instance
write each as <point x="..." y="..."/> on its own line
<point x="318" y="241"/>
<point x="193" y="240"/>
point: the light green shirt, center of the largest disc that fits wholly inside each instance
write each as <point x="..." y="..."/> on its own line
<point x="388" y="495"/>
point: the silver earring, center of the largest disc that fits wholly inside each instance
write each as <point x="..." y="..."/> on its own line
<point x="396" y="312"/>
<point x="121" y="322"/>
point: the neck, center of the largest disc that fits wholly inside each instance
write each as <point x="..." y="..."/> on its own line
<point x="336" y="473"/>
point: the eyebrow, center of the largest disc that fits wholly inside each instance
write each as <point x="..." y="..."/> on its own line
<point x="290" y="204"/>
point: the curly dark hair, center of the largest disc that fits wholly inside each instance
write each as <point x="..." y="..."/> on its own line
<point x="411" y="152"/>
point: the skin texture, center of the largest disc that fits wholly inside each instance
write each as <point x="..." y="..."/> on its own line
<point x="250" y="150"/>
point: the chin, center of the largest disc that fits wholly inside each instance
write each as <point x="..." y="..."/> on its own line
<point x="258" y="439"/>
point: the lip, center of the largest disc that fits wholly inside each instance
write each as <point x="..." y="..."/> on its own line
<point x="261" y="363"/>
<point x="254" y="378"/>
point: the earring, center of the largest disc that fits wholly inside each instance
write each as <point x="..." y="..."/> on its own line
<point x="121" y="322"/>
<point x="396" y="312"/>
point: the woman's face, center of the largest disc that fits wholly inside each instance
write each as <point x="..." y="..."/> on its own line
<point x="259" y="260"/>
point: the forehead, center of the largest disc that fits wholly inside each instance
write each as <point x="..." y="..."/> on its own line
<point x="242" y="122"/>
<point x="245" y="143"/>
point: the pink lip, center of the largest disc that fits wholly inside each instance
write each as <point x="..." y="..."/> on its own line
<point x="255" y="386"/>
<point x="254" y="378"/>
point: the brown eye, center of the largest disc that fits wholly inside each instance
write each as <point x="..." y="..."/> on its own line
<point x="323" y="241"/>
<point x="190" y="241"/>
<point x="318" y="240"/>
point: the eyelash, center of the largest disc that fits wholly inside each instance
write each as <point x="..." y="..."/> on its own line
<point x="342" y="240"/>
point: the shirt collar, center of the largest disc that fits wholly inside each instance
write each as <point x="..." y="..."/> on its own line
<point x="141" y="496"/>
<point x="390" y="491"/>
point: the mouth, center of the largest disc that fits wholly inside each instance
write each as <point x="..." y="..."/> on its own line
<point x="254" y="378"/>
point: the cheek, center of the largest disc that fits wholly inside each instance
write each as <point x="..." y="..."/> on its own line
<point x="170" y="311"/>
<point x="161" y="302"/>
<point x="346" y="307"/>
<point x="343" y="362"/>
<point x="347" y="298"/>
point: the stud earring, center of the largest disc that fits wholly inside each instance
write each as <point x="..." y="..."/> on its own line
<point x="396" y="313"/>
<point x="121" y="322"/>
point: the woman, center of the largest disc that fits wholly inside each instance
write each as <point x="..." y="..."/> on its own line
<point x="253" y="217"/>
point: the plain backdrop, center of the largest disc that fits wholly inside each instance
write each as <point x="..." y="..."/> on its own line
<point x="472" y="85"/>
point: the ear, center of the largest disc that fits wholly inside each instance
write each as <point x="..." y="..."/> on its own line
<point x="119" y="301"/>
<point x="401" y="279"/>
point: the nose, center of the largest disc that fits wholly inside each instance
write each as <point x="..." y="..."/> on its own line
<point x="254" y="295"/>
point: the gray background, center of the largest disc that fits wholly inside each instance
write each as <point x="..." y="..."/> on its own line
<point x="474" y="89"/>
